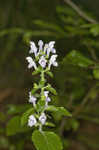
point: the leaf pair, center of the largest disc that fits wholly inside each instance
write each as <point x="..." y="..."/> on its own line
<point x="46" y="141"/>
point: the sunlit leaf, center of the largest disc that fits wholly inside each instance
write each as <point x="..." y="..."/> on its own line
<point x="46" y="141"/>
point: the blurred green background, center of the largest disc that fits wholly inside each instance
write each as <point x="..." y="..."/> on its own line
<point x="76" y="80"/>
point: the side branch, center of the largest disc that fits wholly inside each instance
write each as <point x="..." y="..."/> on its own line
<point x="80" y="12"/>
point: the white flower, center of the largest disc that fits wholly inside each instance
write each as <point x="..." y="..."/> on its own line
<point x="31" y="62"/>
<point x="32" y="99"/>
<point x="53" y="50"/>
<point x="40" y="43"/>
<point x="32" y="121"/>
<point x="47" y="98"/>
<point x="42" y="118"/>
<point x="46" y="93"/>
<point x="45" y="47"/>
<point x="47" y="101"/>
<point x="52" y="61"/>
<point x="33" y="48"/>
<point x="43" y="61"/>
<point x="51" y="44"/>
<point x="48" y="51"/>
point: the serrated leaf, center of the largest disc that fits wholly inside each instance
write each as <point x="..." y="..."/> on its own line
<point x="25" y="116"/>
<point x="76" y="58"/>
<point x="14" y="126"/>
<point x="59" y="110"/>
<point x="46" y="141"/>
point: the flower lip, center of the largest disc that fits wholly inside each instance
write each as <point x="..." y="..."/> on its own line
<point x="53" y="50"/>
<point x="33" y="48"/>
<point x="43" y="61"/>
<point x="40" y="43"/>
<point x="32" y="99"/>
<point x="46" y="93"/>
<point x="52" y="61"/>
<point x="51" y="44"/>
<point x="42" y="118"/>
<point x="45" y="48"/>
<point x="31" y="62"/>
<point x="32" y="121"/>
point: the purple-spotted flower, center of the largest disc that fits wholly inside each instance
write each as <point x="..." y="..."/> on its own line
<point x="42" y="61"/>
<point x="42" y="118"/>
<point x="32" y="121"/>
<point x="47" y="100"/>
<point x="32" y="99"/>
<point x="31" y="63"/>
<point x="44" y="56"/>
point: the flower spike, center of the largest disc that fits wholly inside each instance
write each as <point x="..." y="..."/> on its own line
<point x="42" y="61"/>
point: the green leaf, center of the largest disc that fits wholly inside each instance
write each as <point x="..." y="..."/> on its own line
<point x="33" y="91"/>
<point x="96" y="73"/>
<point x="15" y="109"/>
<point x="25" y="116"/>
<point x="35" y="88"/>
<point x="40" y="105"/>
<point x="50" y="74"/>
<point x="14" y="126"/>
<point x="76" y="58"/>
<point x="46" y="141"/>
<point x="59" y="110"/>
<point x="51" y="26"/>
<point x="51" y="89"/>
<point x="66" y="10"/>
<point x="95" y="29"/>
<point x="72" y="123"/>
<point x="49" y="124"/>
<point x="35" y="72"/>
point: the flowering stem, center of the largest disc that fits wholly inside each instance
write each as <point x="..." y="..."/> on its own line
<point x="40" y="127"/>
<point x="42" y="83"/>
<point x="42" y="62"/>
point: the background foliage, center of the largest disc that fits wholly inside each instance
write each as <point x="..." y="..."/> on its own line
<point x="76" y="79"/>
